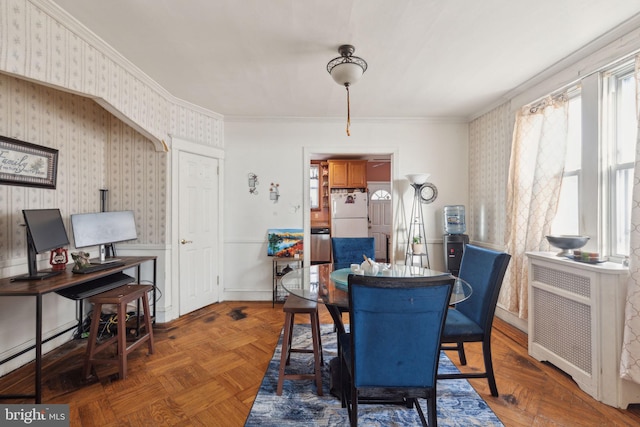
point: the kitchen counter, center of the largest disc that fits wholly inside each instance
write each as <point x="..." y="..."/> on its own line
<point x="320" y="224"/>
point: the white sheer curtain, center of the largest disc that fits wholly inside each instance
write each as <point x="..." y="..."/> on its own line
<point x="535" y="176"/>
<point x="630" y="356"/>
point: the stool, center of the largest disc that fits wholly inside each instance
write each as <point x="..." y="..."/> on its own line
<point x="294" y="305"/>
<point x="120" y="296"/>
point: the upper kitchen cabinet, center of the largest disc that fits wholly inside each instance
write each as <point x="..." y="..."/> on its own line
<point x="347" y="173"/>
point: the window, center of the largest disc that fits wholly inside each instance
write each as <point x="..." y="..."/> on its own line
<point x="381" y="195"/>
<point x="314" y="186"/>
<point x="619" y="136"/>
<point x="597" y="184"/>
<point x="567" y="217"/>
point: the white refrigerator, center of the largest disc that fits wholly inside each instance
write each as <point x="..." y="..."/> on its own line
<point x="349" y="214"/>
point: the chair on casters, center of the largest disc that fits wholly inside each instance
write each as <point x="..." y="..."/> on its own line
<point x="292" y="306"/>
<point x="472" y="319"/>
<point x="120" y="297"/>
<point x="393" y="341"/>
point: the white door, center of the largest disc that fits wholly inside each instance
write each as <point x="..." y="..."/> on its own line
<point x="380" y="216"/>
<point x="198" y="231"/>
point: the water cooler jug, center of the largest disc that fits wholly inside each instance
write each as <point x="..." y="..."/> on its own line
<point x="454" y="240"/>
<point x="454" y="220"/>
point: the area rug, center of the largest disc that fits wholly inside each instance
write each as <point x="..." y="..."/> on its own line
<point x="458" y="403"/>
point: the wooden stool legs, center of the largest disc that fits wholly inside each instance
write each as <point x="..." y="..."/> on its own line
<point x="292" y="306"/>
<point x="120" y="297"/>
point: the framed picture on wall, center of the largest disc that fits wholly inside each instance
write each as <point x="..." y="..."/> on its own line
<point x="26" y="164"/>
<point x="285" y="242"/>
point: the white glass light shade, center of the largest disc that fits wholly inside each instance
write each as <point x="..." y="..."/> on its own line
<point x="346" y="73"/>
<point x="418" y="178"/>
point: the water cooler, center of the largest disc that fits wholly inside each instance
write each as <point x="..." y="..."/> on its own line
<point x="454" y="239"/>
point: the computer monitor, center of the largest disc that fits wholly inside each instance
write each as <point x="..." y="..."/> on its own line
<point x="45" y="232"/>
<point x="101" y="229"/>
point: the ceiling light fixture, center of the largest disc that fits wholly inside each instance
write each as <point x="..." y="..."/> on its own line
<point x="347" y="70"/>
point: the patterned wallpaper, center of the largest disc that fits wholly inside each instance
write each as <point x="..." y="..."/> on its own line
<point x="41" y="42"/>
<point x="96" y="150"/>
<point x="489" y="149"/>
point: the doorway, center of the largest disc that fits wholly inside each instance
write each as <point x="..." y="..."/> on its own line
<point x="189" y="278"/>
<point x="380" y="217"/>
<point x="198" y="212"/>
<point x="372" y="155"/>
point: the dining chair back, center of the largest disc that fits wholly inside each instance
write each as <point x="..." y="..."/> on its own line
<point x="394" y="340"/>
<point x="349" y="250"/>
<point x="472" y="319"/>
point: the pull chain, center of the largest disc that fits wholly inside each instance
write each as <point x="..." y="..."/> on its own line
<point x="348" y="111"/>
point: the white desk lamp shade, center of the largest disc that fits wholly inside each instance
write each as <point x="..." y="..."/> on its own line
<point x="346" y="73"/>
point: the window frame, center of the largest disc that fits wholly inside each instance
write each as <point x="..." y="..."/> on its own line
<point x="314" y="190"/>
<point x="597" y="184"/>
<point x="611" y="104"/>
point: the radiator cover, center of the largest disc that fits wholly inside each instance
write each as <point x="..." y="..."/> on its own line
<point x="576" y="315"/>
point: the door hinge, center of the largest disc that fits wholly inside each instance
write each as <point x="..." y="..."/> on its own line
<point x="218" y="170"/>
<point x="217" y="280"/>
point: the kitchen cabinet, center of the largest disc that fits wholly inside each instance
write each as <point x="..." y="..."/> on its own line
<point x="347" y="173"/>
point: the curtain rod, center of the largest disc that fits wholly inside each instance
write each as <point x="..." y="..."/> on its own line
<point x="538" y="103"/>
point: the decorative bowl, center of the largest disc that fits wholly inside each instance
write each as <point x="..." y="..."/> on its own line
<point x="418" y="178"/>
<point x="567" y="243"/>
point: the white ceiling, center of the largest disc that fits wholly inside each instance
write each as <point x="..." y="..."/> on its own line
<point x="427" y="58"/>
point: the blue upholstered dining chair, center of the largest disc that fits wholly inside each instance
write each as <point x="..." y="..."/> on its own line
<point x="349" y="250"/>
<point x="472" y="319"/>
<point x="393" y="341"/>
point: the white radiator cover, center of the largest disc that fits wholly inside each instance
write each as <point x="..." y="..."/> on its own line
<point x="576" y="318"/>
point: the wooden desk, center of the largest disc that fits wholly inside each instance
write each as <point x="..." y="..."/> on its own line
<point x="37" y="288"/>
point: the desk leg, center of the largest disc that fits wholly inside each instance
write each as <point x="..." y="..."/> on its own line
<point x="155" y="285"/>
<point x="38" y="395"/>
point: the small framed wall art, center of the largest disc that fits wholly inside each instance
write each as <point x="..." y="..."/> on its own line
<point x="26" y="164"/>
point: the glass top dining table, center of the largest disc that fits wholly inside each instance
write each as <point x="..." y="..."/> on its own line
<point x="328" y="283"/>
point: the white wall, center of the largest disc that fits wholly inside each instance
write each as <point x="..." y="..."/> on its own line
<point x="275" y="151"/>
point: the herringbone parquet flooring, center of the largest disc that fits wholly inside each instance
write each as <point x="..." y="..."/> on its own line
<point x="208" y="365"/>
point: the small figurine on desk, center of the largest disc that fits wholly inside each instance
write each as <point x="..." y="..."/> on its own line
<point x="81" y="259"/>
<point x="58" y="259"/>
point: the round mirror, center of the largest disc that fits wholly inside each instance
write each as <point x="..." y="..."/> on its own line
<point x="428" y="193"/>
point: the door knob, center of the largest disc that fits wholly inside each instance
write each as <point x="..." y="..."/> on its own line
<point x="184" y="242"/>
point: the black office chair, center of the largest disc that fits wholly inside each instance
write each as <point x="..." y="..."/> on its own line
<point x="394" y="341"/>
<point x="472" y="319"/>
